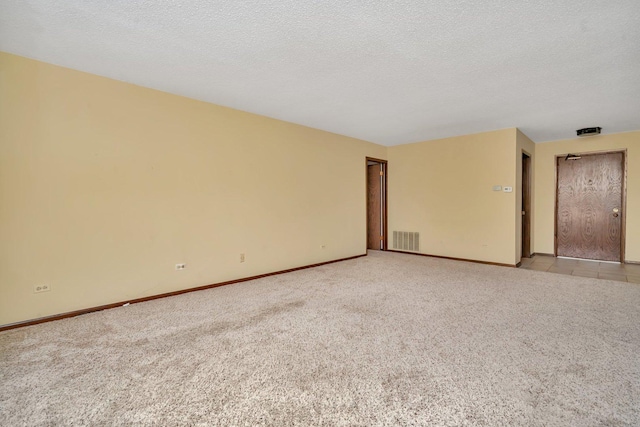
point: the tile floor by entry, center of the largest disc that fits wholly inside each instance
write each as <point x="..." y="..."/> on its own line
<point x="596" y="269"/>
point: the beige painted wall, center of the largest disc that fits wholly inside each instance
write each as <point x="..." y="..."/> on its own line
<point x="545" y="185"/>
<point x="105" y="186"/>
<point x="443" y="189"/>
<point x="524" y="145"/>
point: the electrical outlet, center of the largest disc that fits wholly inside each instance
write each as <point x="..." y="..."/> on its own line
<point x="41" y="288"/>
<point x="241" y="257"/>
<point x="181" y="266"/>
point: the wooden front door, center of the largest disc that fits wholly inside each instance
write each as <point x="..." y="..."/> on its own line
<point x="589" y="206"/>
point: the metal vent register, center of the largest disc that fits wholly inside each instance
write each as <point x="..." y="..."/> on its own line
<point x="406" y="240"/>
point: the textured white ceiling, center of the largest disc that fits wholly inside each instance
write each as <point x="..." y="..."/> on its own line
<point x="388" y="71"/>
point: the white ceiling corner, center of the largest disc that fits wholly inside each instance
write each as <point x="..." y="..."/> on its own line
<point x="389" y="72"/>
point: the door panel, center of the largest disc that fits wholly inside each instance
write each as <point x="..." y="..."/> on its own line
<point x="374" y="206"/>
<point x="589" y="192"/>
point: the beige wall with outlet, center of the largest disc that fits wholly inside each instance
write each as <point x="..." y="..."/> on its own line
<point x="443" y="189"/>
<point x="545" y="192"/>
<point x="106" y="186"/>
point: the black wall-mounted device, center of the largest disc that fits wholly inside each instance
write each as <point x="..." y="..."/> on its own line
<point x="588" y="131"/>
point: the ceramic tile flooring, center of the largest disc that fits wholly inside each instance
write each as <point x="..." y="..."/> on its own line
<point x="584" y="268"/>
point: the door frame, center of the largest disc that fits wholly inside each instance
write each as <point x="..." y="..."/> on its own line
<point x="623" y="219"/>
<point x="526" y="202"/>
<point x="383" y="203"/>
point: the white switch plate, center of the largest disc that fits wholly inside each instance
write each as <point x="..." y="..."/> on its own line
<point x="507" y="189"/>
<point x="41" y="288"/>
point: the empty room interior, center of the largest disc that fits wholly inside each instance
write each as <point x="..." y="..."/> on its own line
<point x="337" y="213"/>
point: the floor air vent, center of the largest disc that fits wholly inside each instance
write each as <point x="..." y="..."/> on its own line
<point x="406" y="240"/>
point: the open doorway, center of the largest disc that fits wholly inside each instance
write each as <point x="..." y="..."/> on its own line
<point x="526" y="205"/>
<point x="376" y="204"/>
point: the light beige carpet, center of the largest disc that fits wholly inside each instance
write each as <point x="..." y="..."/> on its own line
<point x="387" y="339"/>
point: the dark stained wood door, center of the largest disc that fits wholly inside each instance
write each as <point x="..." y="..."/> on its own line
<point x="374" y="206"/>
<point x="589" y="206"/>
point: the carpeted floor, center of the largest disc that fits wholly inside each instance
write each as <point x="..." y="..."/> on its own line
<point x="388" y="339"/>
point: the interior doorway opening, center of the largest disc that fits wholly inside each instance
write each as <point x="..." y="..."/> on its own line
<point x="376" y="171"/>
<point x="526" y="206"/>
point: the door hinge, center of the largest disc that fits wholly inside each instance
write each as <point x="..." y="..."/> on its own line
<point x="381" y="237"/>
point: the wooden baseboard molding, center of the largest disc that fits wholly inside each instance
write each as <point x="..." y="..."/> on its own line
<point x="168" y="294"/>
<point x="552" y="255"/>
<point x="456" y="259"/>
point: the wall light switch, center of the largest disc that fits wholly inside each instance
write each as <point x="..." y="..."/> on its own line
<point x="507" y="189"/>
<point x="497" y="188"/>
<point x="41" y="288"/>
